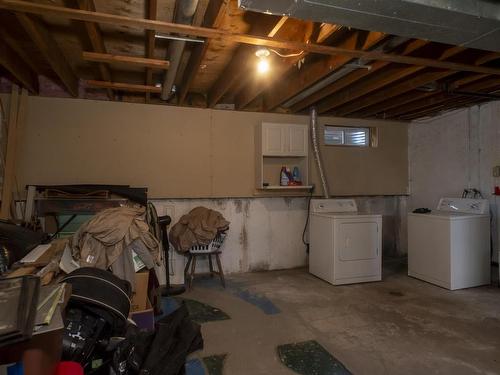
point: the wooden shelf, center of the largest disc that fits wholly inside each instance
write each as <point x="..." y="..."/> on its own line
<point x="278" y="146"/>
<point x="300" y="187"/>
<point x="283" y="156"/>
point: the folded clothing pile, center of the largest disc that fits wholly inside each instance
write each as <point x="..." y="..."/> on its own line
<point x="199" y="227"/>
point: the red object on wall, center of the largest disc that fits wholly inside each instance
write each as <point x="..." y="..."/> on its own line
<point x="497" y="190"/>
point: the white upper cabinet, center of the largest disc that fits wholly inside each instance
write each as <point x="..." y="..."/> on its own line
<point x="273" y="139"/>
<point x="297" y="140"/>
<point x="284" y="139"/>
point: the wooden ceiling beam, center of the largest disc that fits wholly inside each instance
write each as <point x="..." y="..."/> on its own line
<point x="403" y="87"/>
<point x="249" y="93"/>
<point x="410" y="97"/>
<point x="317" y="70"/>
<point x="349" y="99"/>
<point x="203" y="32"/>
<point x="451" y="104"/>
<point x="50" y="50"/>
<point x="152" y="9"/>
<point x="277" y="27"/>
<point x="97" y="42"/>
<point x="129" y="60"/>
<point x="123" y="86"/>
<point x="18" y="68"/>
<point x="235" y="70"/>
<point x="213" y="18"/>
<point x="432" y="109"/>
<point x="354" y="77"/>
<point x="440" y="97"/>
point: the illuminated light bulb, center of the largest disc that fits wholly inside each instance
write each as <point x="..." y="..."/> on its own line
<point x="263" y="66"/>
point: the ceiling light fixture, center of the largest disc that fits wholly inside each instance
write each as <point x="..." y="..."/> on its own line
<point x="263" y="55"/>
<point x="263" y="63"/>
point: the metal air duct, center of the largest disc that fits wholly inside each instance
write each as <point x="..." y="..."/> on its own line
<point x="468" y="23"/>
<point x="316" y="152"/>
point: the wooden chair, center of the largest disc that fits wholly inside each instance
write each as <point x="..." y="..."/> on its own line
<point x="192" y="262"/>
<point x="210" y="250"/>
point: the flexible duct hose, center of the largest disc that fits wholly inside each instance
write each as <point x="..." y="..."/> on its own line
<point x="317" y="155"/>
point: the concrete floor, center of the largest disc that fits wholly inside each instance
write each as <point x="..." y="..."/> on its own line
<point x="398" y="326"/>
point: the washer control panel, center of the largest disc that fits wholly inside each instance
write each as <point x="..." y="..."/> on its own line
<point x="333" y="205"/>
<point x="464" y="205"/>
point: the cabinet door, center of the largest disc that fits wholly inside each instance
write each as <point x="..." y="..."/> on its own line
<point x="297" y="140"/>
<point x="273" y="139"/>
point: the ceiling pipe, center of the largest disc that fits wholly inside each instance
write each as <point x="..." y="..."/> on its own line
<point x="184" y="15"/>
<point x="342" y="72"/>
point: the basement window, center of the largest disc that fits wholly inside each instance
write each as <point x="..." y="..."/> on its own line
<point x="347" y="136"/>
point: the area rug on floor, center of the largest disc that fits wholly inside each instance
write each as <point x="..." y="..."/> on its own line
<point x="310" y="358"/>
<point x="202" y="312"/>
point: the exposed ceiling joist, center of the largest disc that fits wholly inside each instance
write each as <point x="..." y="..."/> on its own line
<point x="353" y="77"/>
<point x="96" y="40"/>
<point x="236" y="68"/>
<point x="316" y="71"/>
<point x="213" y="18"/>
<point x="82" y="15"/>
<point x="440" y="97"/>
<point x="450" y="104"/>
<point x="130" y="60"/>
<point x="50" y="50"/>
<point x="277" y="27"/>
<point x="123" y="86"/>
<point x="378" y="82"/>
<point x="18" y="68"/>
<point x="398" y="89"/>
<point x="410" y="97"/>
<point x="249" y="93"/>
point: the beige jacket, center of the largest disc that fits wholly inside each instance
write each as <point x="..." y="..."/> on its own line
<point x="102" y="239"/>
<point x="198" y="227"/>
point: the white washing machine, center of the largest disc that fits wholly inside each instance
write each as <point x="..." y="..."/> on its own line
<point x="450" y="246"/>
<point x="345" y="246"/>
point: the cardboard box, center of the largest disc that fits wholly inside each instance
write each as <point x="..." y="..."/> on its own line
<point x="139" y="299"/>
<point x="145" y="319"/>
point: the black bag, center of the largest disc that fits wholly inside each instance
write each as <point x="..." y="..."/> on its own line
<point x="102" y="293"/>
<point x="131" y="353"/>
<point x="176" y="337"/>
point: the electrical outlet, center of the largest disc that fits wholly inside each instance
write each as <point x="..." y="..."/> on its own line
<point x="496" y="171"/>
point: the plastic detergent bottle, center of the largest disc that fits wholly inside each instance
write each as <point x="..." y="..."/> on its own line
<point x="283" y="177"/>
<point x="296" y="174"/>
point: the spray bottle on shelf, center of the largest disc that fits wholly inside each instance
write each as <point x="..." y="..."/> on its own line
<point x="296" y="176"/>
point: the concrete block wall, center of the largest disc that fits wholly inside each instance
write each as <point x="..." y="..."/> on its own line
<point x="455" y="151"/>
<point x="266" y="233"/>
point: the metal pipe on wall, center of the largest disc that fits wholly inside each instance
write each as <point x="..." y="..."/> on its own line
<point x="184" y="15"/>
<point x="316" y="151"/>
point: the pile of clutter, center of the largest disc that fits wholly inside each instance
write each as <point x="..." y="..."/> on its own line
<point x="98" y="266"/>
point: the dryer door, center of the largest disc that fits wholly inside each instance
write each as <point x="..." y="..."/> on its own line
<point x="358" y="250"/>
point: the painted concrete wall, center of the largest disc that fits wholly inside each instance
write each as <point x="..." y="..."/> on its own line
<point x="266" y="233"/>
<point x="456" y="151"/>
